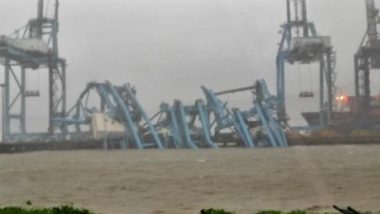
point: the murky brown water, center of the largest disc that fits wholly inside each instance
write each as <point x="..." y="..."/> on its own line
<point x="184" y="181"/>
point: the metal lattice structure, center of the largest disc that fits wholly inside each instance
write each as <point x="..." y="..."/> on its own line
<point x="117" y="104"/>
<point x="302" y="44"/>
<point x="32" y="47"/>
<point x="367" y="58"/>
<point x="208" y="123"/>
<point x="112" y="114"/>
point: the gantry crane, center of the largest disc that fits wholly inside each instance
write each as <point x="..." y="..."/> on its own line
<point x="117" y="116"/>
<point x="302" y="44"/>
<point x="32" y="47"/>
<point x="367" y="58"/>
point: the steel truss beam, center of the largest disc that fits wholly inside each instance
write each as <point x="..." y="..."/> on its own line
<point x="206" y="124"/>
<point x="13" y="103"/>
<point x="120" y="104"/>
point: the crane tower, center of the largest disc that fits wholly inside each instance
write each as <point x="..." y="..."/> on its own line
<point x="30" y="48"/>
<point x="367" y="58"/>
<point x="302" y="44"/>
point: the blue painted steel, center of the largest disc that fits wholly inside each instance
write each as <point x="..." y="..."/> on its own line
<point x="264" y="105"/>
<point x="105" y="98"/>
<point x="171" y="124"/>
<point x="203" y="117"/>
<point x="242" y="128"/>
<point x="181" y="119"/>
<point x="129" y="123"/>
<point x="225" y="120"/>
<point x="44" y="29"/>
<point x="284" y="54"/>
<point x="175" y="129"/>
<point x="218" y="108"/>
<point x="265" y="123"/>
<point x="181" y="126"/>
<point x="268" y="106"/>
<point x="144" y="115"/>
<point x="184" y="126"/>
<point x="120" y="104"/>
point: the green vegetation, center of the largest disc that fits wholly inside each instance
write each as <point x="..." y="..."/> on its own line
<point x="221" y="211"/>
<point x="215" y="211"/>
<point x="72" y="210"/>
<point x="53" y="210"/>
<point x="279" y="212"/>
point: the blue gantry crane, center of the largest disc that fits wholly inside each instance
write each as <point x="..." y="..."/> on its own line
<point x="116" y="115"/>
<point x="300" y="43"/>
<point x="261" y="116"/>
<point x="187" y="126"/>
<point x="28" y="49"/>
<point x="229" y="119"/>
<point x="113" y="114"/>
<point x="119" y="117"/>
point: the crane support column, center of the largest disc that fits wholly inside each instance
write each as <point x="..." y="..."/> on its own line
<point x="6" y="109"/>
<point x="321" y="93"/>
<point x="330" y="84"/>
<point x="23" y="102"/>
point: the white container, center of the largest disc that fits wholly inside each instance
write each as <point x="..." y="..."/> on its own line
<point x="103" y="126"/>
<point x="318" y="41"/>
<point x="28" y="45"/>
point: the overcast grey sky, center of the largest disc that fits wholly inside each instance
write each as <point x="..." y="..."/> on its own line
<point x="168" y="48"/>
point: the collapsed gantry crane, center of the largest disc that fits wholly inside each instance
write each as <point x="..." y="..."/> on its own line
<point x="301" y="43"/>
<point x="115" y="115"/>
<point x="32" y="47"/>
<point x="118" y="116"/>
